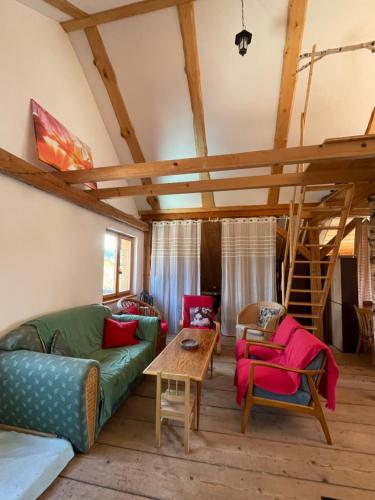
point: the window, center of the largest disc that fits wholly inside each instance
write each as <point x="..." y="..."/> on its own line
<point x="118" y="264"/>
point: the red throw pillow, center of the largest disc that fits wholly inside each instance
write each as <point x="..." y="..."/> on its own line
<point x="119" y="334"/>
<point x="132" y="309"/>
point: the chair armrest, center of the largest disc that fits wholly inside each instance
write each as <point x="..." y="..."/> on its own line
<point x="52" y="394"/>
<point x="310" y="373"/>
<point x="262" y="343"/>
<point x="254" y="327"/>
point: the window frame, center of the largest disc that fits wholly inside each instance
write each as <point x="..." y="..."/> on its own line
<point x="117" y="294"/>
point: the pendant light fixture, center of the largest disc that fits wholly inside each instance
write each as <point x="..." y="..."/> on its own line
<point x="243" y="38"/>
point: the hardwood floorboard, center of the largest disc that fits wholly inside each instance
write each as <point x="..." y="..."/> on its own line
<point x="283" y="455"/>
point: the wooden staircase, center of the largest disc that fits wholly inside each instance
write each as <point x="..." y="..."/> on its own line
<point x="308" y="264"/>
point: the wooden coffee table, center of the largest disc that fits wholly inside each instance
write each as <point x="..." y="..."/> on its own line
<point x="177" y="361"/>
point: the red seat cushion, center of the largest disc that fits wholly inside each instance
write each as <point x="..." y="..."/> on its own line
<point x="164" y="326"/>
<point x="260" y="352"/>
<point x="119" y="334"/>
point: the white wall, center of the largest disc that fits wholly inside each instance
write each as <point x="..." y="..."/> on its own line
<point x="51" y="252"/>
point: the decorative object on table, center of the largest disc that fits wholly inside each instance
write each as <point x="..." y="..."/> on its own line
<point x="243" y="38"/>
<point x="189" y="344"/>
<point x="260" y="319"/>
<point x="203" y="302"/>
<point x="57" y="146"/>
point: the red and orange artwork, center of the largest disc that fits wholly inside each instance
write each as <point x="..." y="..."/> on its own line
<point x="57" y="146"/>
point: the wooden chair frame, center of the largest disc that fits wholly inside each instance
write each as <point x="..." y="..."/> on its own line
<point x="314" y="408"/>
<point x="188" y="415"/>
<point x="366" y="335"/>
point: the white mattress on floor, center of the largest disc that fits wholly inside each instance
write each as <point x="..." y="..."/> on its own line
<point x="29" y="464"/>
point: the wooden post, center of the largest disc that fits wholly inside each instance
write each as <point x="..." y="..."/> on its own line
<point x="316" y="284"/>
<point x="371" y="202"/>
<point x="147" y="259"/>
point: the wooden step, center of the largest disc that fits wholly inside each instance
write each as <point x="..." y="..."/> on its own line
<point x="312" y="304"/>
<point x="305" y="290"/>
<point x="328" y="187"/>
<point x="317" y="316"/>
<point x="325" y="209"/>
<point x="314" y="245"/>
<point x="313" y="262"/>
<point x="320" y="228"/>
<point x="309" y="276"/>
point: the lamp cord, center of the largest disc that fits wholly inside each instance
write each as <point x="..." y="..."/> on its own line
<point x="243" y="15"/>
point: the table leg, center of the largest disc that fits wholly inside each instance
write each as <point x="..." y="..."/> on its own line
<point x="212" y="362"/>
<point x="199" y="394"/>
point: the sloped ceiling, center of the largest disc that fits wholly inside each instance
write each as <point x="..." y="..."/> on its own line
<point x="240" y="94"/>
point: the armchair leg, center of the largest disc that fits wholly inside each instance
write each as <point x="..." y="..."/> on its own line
<point x="318" y="411"/>
<point x="245" y="415"/>
<point x="359" y="344"/>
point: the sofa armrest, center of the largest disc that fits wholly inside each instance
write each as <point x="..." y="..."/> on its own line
<point x="52" y="394"/>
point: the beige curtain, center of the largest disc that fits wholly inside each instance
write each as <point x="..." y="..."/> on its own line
<point x="362" y="251"/>
<point x="248" y="266"/>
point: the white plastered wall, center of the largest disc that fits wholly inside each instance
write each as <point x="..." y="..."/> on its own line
<point x="51" y="252"/>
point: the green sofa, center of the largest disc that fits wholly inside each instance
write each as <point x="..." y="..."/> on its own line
<point x="73" y="396"/>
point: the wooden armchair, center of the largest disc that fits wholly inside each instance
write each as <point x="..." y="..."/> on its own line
<point x="366" y="334"/>
<point x="305" y="400"/>
<point x="248" y="320"/>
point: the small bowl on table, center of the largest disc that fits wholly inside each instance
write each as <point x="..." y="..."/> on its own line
<point x="189" y="344"/>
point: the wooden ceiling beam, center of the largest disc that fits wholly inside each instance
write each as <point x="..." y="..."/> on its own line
<point x="108" y="75"/>
<point x="130" y="10"/>
<point x="249" y="182"/>
<point x="295" y="25"/>
<point x="21" y="170"/>
<point x="279" y="210"/>
<point x="68" y="8"/>
<point x="192" y="69"/>
<point x="353" y="148"/>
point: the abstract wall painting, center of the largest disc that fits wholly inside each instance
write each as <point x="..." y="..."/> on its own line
<point x="57" y="146"/>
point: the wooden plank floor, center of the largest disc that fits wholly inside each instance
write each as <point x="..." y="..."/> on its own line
<point x="283" y="455"/>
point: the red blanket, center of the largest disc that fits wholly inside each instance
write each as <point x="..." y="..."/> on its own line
<point x="301" y="350"/>
<point x="282" y="336"/>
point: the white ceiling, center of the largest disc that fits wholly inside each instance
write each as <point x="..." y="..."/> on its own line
<point x="240" y="94"/>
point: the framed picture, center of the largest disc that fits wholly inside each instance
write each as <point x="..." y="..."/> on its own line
<point x="57" y="146"/>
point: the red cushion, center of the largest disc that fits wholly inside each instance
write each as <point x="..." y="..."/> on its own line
<point x="195" y="301"/>
<point x="260" y="352"/>
<point x="132" y="309"/>
<point x="118" y="334"/>
<point x="164" y="326"/>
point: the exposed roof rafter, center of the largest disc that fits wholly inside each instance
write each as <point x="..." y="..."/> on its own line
<point x="130" y="10"/>
<point x="296" y="21"/>
<point x="108" y="75"/>
<point x="189" y="39"/>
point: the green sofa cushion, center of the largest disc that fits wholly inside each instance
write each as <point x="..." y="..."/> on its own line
<point x="81" y="328"/>
<point x="119" y="368"/>
<point x="24" y="337"/>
